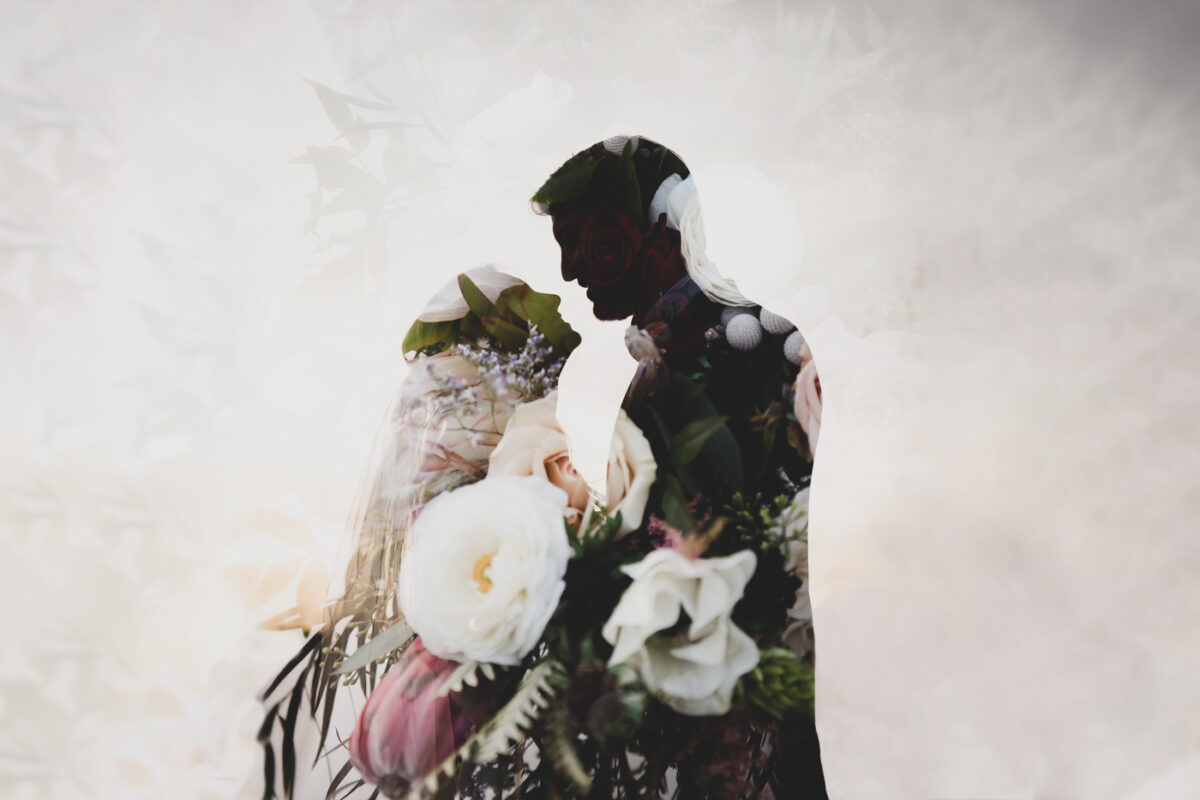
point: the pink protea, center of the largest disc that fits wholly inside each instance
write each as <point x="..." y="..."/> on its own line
<point x="406" y="730"/>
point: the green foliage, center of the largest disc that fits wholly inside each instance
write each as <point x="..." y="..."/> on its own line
<point x="567" y="181"/>
<point x="559" y="744"/>
<point x="467" y="674"/>
<point x="687" y="443"/>
<point x="631" y="194"/>
<point x="675" y="504"/>
<point x="752" y="523"/>
<point x="507" y="726"/>
<point x="780" y="685"/>
<point x="597" y="539"/>
<point x="506" y="322"/>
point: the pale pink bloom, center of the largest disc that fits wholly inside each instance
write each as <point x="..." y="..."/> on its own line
<point x="808" y="398"/>
<point x="406" y="730"/>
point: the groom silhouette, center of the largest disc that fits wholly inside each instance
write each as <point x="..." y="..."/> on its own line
<point x="625" y="214"/>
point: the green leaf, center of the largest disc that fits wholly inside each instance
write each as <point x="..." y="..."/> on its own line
<point x="426" y="334"/>
<point x="339" y="113"/>
<point x="567" y="181"/>
<point x="631" y="194"/>
<point x="476" y="299"/>
<point x="508" y="725"/>
<point x="690" y="439"/>
<point x="376" y="648"/>
<point x="723" y="456"/>
<point x="540" y="309"/>
<point x="675" y="505"/>
<point x="721" y="453"/>
<point x="504" y="331"/>
<point x="470" y="329"/>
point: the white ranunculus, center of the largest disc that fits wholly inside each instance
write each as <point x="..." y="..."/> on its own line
<point x="483" y="569"/>
<point x="791" y="527"/>
<point x="448" y="304"/>
<point x="683" y="214"/>
<point x="535" y="444"/>
<point x="798" y="636"/>
<point x="696" y="671"/>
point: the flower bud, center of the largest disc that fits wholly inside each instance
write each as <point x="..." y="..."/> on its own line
<point x="406" y="730"/>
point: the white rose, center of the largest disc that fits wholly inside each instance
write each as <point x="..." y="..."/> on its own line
<point x="683" y="214"/>
<point x="483" y="569"/>
<point x="695" y="672"/>
<point x="535" y="444"/>
<point x="448" y="304"/>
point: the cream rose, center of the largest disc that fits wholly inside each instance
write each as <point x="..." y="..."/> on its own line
<point x="683" y="214"/>
<point x="694" y="672"/>
<point x="631" y="472"/>
<point x="808" y="397"/>
<point x="535" y="444"/>
<point x="483" y="569"/>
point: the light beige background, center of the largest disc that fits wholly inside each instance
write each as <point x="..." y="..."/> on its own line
<point x="984" y="215"/>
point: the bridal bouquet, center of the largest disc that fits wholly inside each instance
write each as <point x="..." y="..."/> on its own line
<point x="516" y="635"/>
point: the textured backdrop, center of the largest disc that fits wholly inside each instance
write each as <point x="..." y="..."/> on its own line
<point x="217" y="219"/>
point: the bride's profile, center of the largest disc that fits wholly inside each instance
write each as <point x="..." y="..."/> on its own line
<point x="503" y="629"/>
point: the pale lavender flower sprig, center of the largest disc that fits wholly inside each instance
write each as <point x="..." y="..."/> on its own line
<point x="532" y="373"/>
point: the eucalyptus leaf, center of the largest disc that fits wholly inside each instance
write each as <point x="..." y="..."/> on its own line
<point x="376" y="648"/>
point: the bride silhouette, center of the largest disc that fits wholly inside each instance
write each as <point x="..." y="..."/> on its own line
<point x="712" y="455"/>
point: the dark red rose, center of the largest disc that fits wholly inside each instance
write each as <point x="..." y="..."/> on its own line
<point x="660" y="262"/>
<point x="608" y="244"/>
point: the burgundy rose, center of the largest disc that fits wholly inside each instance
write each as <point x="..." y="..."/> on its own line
<point x="599" y="247"/>
<point x="660" y="262"/>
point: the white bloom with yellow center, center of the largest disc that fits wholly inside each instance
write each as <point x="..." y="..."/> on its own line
<point x="483" y="569"/>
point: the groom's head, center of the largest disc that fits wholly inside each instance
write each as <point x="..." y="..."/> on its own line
<point x="609" y="204"/>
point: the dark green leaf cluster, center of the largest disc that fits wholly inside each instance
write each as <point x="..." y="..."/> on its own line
<point x="598" y="177"/>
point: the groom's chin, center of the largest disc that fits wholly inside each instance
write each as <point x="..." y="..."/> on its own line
<point x="608" y="304"/>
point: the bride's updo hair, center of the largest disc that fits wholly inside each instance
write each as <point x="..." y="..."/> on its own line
<point x="608" y="204"/>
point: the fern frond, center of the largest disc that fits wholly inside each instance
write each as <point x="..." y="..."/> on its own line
<point x="560" y="746"/>
<point x="506" y="727"/>
<point x="466" y="674"/>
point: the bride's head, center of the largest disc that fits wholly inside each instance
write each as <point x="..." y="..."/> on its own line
<point x="616" y="208"/>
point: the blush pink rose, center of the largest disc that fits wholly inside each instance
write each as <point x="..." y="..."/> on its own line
<point x="808" y="397"/>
